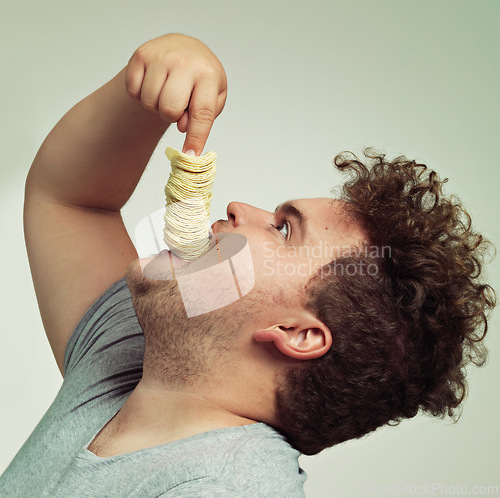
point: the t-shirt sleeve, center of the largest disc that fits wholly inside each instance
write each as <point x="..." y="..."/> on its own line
<point x="105" y="351"/>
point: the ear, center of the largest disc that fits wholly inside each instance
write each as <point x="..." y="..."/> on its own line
<point x="302" y="338"/>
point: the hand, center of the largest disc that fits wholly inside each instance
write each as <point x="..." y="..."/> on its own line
<point x="181" y="79"/>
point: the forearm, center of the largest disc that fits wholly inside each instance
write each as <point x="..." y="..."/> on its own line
<point x="96" y="154"/>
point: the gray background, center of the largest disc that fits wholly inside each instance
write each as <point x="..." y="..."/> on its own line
<point x="306" y="81"/>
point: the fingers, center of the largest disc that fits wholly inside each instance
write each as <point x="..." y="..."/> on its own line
<point x="182" y="80"/>
<point x="175" y="95"/>
<point x="152" y="85"/>
<point x="134" y="75"/>
<point x="183" y="122"/>
<point x="159" y="91"/>
<point x="203" y="109"/>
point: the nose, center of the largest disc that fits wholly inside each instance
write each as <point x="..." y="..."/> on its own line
<point x="239" y="213"/>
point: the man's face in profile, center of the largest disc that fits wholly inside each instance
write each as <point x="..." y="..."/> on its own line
<point x="290" y="245"/>
<point x="282" y="251"/>
<point x="286" y="247"/>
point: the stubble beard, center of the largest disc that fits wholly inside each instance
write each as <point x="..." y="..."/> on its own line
<point x="179" y="351"/>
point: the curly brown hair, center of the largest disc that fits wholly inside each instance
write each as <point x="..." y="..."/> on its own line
<point x="402" y="334"/>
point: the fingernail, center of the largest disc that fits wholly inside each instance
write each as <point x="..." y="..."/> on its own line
<point x="190" y="152"/>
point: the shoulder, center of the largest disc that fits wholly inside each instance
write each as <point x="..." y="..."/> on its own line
<point x="263" y="463"/>
<point x="205" y="487"/>
<point x="108" y="330"/>
<point x="248" y="461"/>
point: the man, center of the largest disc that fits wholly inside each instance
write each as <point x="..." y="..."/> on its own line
<point x="328" y="345"/>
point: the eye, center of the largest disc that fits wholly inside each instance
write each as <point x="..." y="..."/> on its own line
<point x="284" y="229"/>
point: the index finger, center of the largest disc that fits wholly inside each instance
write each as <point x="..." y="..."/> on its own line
<point x="201" y="115"/>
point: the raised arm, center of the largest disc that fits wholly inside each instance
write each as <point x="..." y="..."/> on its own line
<point x="91" y="162"/>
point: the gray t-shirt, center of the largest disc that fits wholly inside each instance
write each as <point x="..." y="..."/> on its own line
<point x="103" y="364"/>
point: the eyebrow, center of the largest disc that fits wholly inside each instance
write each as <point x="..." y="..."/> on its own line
<point x="289" y="210"/>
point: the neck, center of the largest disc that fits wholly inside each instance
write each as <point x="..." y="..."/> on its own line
<point x="153" y="413"/>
